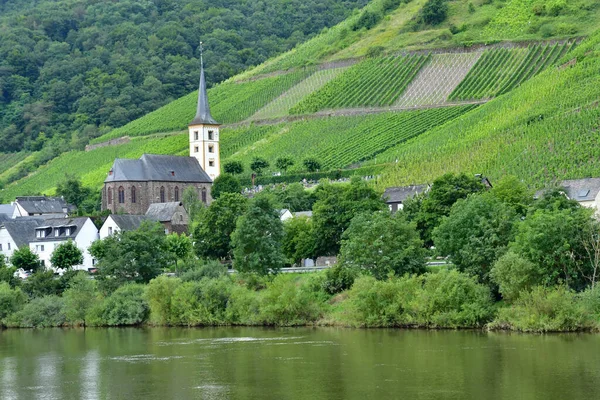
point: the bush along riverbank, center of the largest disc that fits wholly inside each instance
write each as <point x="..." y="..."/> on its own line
<point x="516" y="263"/>
<point x="210" y="297"/>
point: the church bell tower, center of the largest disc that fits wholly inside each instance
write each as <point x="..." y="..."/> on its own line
<point x="204" y="132"/>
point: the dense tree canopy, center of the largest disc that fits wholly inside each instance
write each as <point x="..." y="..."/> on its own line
<point x="67" y="68"/>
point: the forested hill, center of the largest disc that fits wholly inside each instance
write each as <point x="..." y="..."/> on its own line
<point x="70" y="69"/>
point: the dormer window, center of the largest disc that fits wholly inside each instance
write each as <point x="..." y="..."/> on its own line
<point x="67" y="231"/>
<point x="211" y="135"/>
<point x="110" y="172"/>
<point x="56" y="232"/>
<point x="172" y="173"/>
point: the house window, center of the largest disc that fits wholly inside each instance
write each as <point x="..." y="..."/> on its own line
<point x="176" y="193"/>
<point x="39" y="248"/>
<point x="39" y="233"/>
<point x="204" y="195"/>
<point x="110" y="230"/>
<point x="56" y="231"/>
<point x="195" y="135"/>
<point x="195" y="149"/>
<point x="68" y="231"/>
<point x="211" y="135"/>
<point x="180" y="220"/>
<point x="0" y="246"/>
<point x="162" y="194"/>
<point x="8" y="246"/>
<point x="133" y="198"/>
<point x="211" y="149"/>
<point x="121" y="195"/>
<point x="109" y="196"/>
<point x="211" y="163"/>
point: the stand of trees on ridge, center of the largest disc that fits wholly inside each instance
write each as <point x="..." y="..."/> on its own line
<point x="540" y="257"/>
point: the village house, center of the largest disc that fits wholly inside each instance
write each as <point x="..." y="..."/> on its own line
<point x="172" y="216"/>
<point x="43" y="235"/>
<point x="396" y="196"/>
<point x="30" y="206"/>
<point x="132" y="186"/>
<point x="585" y="191"/>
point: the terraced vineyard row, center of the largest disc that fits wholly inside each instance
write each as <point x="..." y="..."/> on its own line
<point x="8" y="160"/>
<point x="281" y="106"/>
<point x="338" y="142"/>
<point x="500" y="70"/>
<point x="229" y="102"/>
<point x="543" y="131"/>
<point x="233" y="140"/>
<point x="372" y="82"/>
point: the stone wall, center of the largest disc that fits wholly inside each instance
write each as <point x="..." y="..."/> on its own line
<point x="146" y="193"/>
<point x="112" y="142"/>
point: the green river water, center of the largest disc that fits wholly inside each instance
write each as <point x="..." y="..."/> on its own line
<point x="295" y="363"/>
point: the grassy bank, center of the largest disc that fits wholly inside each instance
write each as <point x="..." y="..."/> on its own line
<point x="210" y="297"/>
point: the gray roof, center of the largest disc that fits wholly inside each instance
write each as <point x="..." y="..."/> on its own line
<point x="399" y="194"/>
<point x="582" y="189"/>
<point x="155" y="167"/>
<point x="203" y="109"/>
<point x="22" y="230"/>
<point x="4" y="217"/>
<point x="163" y="212"/>
<point x="129" y="222"/>
<point x="76" y="223"/>
<point x="42" y="204"/>
<point x="308" y="214"/>
<point x="7" y="209"/>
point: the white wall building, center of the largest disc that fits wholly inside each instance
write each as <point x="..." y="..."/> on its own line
<point x="42" y="236"/>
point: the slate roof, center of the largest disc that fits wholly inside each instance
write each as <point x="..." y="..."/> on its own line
<point x="7" y="209"/>
<point x="203" y="109"/>
<point x="129" y="222"/>
<point x="4" y="217"/>
<point x="582" y="189"/>
<point x="163" y="212"/>
<point x="156" y="167"/>
<point x="42" y="204"/>
<point x="22" y="230"/>
<point x="399" y="194"/>
<point x="308" y="214"/>
<point x="77" y="223"/>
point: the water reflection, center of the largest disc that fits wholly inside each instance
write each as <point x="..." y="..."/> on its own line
<point x="303" y="363"/>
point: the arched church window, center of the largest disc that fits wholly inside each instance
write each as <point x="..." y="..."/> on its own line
<point x="133" y="196"/>
<point x="176" y="193"/>
<point x="109" y="195"/>
<point x="162" y="194"/>
<point x="204" y="195"/>
<point x="121" y="195"/>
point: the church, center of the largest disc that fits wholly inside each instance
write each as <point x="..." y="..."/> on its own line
<point x="133" y="185"/>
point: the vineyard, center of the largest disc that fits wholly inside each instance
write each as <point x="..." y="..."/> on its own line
<point x="375" y="81"/>
<point x="230" y="102"/>
<point x="92" y="166"/>
<point x="8" y="160"/>
<point x="544" y="130"/>
<point x="437" y="79"/>
<point x="281" y="106"/>
<point x="337" y="142"/>
<point x="500" y="70"/>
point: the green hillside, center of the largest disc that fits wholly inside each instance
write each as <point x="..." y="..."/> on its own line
<point x="543" y="131"/>
<point x="417" y="106"/>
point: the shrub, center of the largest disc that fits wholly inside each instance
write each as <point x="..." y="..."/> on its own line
<point x="545" y="309"/>
<point x="243" y="307"/>
<point x="201" y="303"/>
<point x="126" y="306"/>
<point x="11" y="300"/>
<point x="434" y="11"/>
<point x="514" y="274"/>
<point x="79" y="298"/>
<point x="339" y="278"/>
<point x="447" y="299"/>
<point x="42" y="312"/>
<point x="159" y="294"/>
<point x="202" y="270"/>
<point x="287" y="302"/>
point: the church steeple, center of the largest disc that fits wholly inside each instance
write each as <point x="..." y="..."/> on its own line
<point x="203" y="109"/>
<point x="204" y="132"/>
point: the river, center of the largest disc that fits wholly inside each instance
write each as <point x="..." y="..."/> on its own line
<point x="295" y="363"/>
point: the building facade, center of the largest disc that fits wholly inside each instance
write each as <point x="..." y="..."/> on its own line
<point x="133" y="185"/>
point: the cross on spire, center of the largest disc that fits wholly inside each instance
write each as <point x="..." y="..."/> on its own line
<point x="203" y="110"/>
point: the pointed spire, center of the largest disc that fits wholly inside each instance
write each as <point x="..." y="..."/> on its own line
<point x="203" y="110"/>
